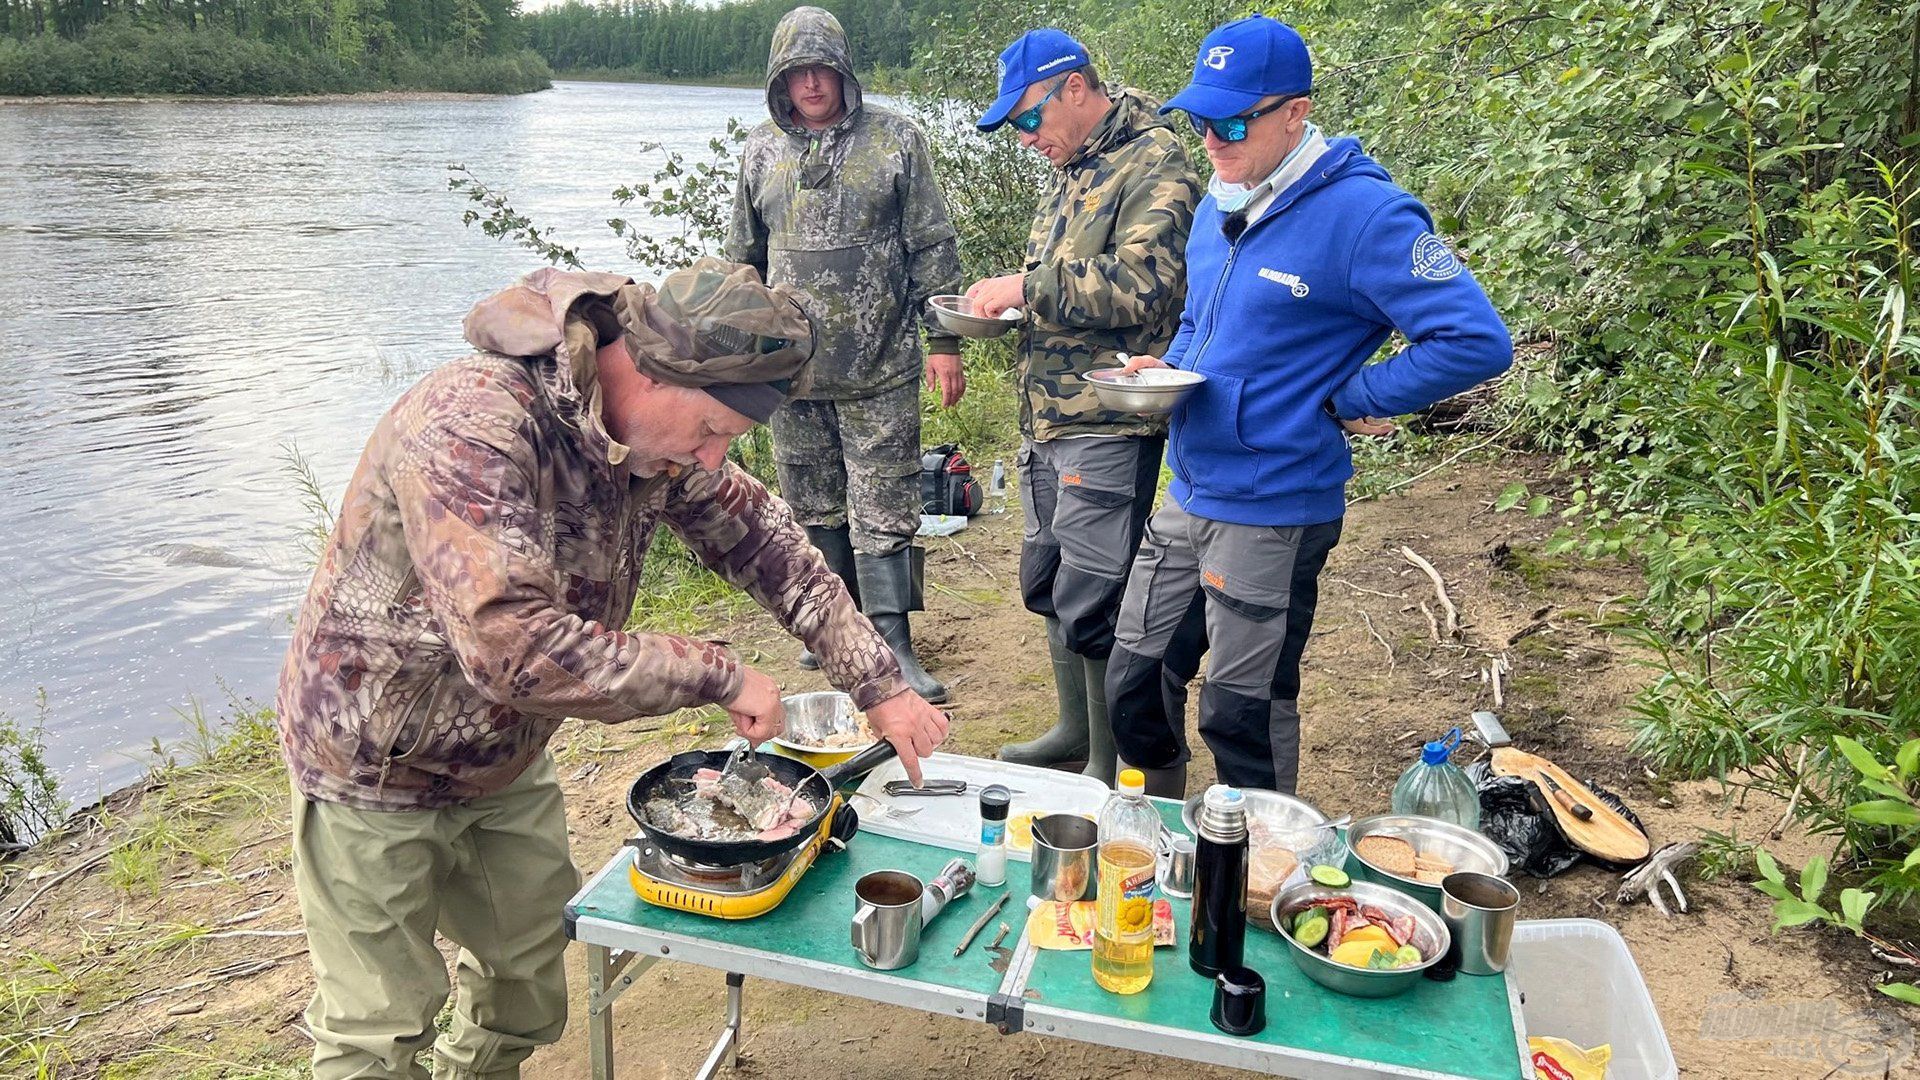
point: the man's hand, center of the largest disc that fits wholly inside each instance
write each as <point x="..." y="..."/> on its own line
<point x="991" y="296"/>
<point x="1368" y="425"/>
<point x="756" y="710"/>
<point x="914" y="728"/>
<point x="1135" y="363"/>
<point x="946" y="378"/>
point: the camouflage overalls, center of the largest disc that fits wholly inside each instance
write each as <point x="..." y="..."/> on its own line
<point x="1104" y="275"/>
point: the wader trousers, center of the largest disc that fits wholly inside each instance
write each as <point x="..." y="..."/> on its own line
<point x="1259" y="585"/>
<point x="492" y="875"/>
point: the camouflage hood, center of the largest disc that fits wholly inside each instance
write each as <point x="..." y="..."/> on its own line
<point x="807" y="36"/>
<point x="1133" y="114"/>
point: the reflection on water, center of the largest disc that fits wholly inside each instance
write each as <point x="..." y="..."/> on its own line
<point x="188" y="288"/>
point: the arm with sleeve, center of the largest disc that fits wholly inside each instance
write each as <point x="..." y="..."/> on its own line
<point x="1137" y="281"/>
<point x="933" y="249"/>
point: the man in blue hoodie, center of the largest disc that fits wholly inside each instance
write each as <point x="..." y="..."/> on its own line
<point x="1304" y="257"/>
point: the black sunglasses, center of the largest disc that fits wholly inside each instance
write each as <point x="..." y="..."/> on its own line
<point x="1234" y="128"/>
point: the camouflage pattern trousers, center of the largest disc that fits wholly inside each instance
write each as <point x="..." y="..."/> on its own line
<point x="854" y="463"/>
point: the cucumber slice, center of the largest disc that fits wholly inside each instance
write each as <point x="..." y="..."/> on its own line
<point x="1312" y="933"/>
<point x="1331" y="876"/>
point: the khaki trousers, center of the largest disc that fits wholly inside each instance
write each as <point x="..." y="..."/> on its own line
<point x="492" y="875"/>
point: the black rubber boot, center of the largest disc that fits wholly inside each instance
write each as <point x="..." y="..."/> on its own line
<point x="836" y="544"/>
<point x="1168" y="783"/>
<point x="887" y="592"/>
<point x="1067" y="739"/>
<point x="1100" y="750"/>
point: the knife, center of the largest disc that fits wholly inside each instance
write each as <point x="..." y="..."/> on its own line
<point x="1565" y="798"/>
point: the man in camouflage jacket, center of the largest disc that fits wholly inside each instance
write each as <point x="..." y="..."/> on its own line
<point x="838" y="198"/>
<point x="1104" y="276"/>
<point x="472" y="596"/>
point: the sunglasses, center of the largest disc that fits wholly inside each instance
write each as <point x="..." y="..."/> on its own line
<point x="1234" y="128"/>
<point x="1029" y="120"/>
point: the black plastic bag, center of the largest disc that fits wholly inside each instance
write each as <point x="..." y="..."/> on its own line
<point x="1514" y="815"/>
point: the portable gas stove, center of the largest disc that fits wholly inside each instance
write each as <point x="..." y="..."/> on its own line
<point x="734" y="892"/>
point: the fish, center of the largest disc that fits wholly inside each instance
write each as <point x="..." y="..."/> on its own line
<point x="710" y="806"/>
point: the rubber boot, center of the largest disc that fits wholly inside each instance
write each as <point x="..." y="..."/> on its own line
<point x="1100" y="749"/>
<point x="1067" y="739"/>
<point x="886" y="589"/>
<point x="1168" y="783"/>
<point x="836" y="544"/>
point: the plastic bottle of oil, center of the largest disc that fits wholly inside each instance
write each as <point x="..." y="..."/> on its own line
<point x="1123" y="933"/>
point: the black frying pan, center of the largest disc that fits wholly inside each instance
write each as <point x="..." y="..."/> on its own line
<point x="815" y="785"/>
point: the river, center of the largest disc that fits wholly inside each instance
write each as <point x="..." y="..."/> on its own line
<point x="188" y="290"/>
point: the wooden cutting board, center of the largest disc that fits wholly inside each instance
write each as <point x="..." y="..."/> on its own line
<point x="1605" y="835"/>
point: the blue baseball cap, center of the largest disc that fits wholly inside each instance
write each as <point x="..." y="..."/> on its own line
<point x="1033" y="57"/>
<point x="1242" y="62"/>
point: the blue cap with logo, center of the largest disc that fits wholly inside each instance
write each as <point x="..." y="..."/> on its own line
<point x="1242" y="62"/>
<point x="1035" y="56"/>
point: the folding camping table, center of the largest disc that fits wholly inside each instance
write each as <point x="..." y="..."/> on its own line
<point x="1465" y="1029"/>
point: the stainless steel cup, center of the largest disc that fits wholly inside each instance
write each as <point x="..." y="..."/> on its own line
<point x="1176" y="865"/>
<point x="1064" y="858"/>
<point x="887" y="919"/>
<point x="1479" y="910"/>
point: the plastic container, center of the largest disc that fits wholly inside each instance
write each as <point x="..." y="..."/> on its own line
<point x="1435" y="787"/>
<point x="1578" y="981"/>
<point x="1123" y="931"/>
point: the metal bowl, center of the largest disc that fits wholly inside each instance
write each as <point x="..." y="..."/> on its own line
<point x="1429" y="936"/>
<point x="811" y="719"/>
<point x="1280" y="812"/>
<point x="1466" y="849"/>
<point x="956" y="314"/>
<point x="1149" y="390"/>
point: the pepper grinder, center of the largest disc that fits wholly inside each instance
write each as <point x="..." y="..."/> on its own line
<point x="1219" y="924"/>
<point x="949" y="885"/>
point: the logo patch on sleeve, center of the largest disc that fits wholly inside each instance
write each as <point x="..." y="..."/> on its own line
<point x="1434" y="260"/>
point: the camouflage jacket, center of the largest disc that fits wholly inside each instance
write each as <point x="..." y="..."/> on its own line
<point x="852" y="215"/>
<point x="1105" y="269"/>
<point x="486" y="557"/>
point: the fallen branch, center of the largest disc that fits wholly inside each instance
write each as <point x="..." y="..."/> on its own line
<point x="1370" y="592"/>
<point x="241" y="970"/>
<point x="1433" y="621"/>
<point x="1376" y="636"/>
<point x="1527" y="631"/>
<point x="1439" y="589"/>
<point x="1645" y="879"/>
<point x="57" y="879"/>
<point x="250" y="933"/>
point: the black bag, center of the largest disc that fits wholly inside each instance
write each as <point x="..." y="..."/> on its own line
<point x="947" y="485"/>
<point x="1514" y="815"/>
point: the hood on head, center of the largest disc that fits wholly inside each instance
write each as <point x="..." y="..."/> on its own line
<point x="808" y="35"/>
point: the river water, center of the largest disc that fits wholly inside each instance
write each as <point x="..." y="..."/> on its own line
<point x="188" y="290"/>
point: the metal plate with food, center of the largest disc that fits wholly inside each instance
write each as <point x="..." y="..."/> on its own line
<point x="955" y="313"/>
<point x="1412" y="854"/>
<point x="953" y="821"/>
<point x="1361" y="939"/>
<point x="822" y="728"/>
<point x="1149" y="390"/>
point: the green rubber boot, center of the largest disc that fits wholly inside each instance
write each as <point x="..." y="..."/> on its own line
<point x="1101" y="764"/>
<point x="1067" y="739"/>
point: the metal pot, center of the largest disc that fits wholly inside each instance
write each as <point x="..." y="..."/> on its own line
<point x="1466" y="849"/>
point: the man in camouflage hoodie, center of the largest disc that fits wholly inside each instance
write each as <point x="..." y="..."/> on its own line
<point x="1104" y="276"/>
<point x="472" y="596"/>
<point x="838" y="198"/>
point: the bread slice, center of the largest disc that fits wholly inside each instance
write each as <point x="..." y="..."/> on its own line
<point x="1267" y="870"/>
<point x="1387" y="853"/>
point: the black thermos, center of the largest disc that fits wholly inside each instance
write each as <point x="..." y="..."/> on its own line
<point x="1219" y="924"/>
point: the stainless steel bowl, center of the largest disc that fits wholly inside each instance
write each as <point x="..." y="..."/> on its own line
<point x="1277" y="810"/>
<point x="811" y="719"/>
<point x="1429" y="936"/>
<point x="1466" y="849"/>
<point x="956" y="314"/>
<point x="1149" y="390"/>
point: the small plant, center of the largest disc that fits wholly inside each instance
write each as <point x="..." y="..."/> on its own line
<point x="699" y="197"/>
<point x="30" y="800"/>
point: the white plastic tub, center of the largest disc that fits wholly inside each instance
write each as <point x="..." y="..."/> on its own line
<point x="1579" y="982"/>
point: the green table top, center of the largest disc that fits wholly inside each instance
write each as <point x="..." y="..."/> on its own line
<point x="1463" y="1028"/>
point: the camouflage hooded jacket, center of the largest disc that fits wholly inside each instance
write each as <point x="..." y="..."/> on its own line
<point x="486" y="556"/>
<point x="1105" y="268"/>
<point x="850" y="214"/>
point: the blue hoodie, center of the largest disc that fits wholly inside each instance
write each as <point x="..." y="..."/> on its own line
<point x="1283" y="321"/>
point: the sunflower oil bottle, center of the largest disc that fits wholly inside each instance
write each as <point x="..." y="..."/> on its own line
<point x="1123" y="933"/>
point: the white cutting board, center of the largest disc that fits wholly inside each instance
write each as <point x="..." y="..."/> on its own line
<point x="953" y="821"/>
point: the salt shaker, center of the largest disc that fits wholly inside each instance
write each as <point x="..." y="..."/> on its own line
<point x="994" y="800"/>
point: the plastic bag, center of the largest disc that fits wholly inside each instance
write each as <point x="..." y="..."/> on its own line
<point x="1558" y="1059"/>
<point x="1514" y="815"/>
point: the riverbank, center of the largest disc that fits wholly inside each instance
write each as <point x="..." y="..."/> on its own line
<point x="745" y="81"/>
<point x="375" y="96"/>
<point x="161" y="938"/>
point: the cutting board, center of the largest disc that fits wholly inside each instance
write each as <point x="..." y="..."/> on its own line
<point x="1606" y="835"/>
<point x="953" y="821"/>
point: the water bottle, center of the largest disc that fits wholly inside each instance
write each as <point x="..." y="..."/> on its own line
<point x="997" y="488"/>
<point x="1123" y="930"/>
<point x="1435" y="787"/>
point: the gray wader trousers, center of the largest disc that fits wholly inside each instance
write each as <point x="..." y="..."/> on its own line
<point x="1259" y="586"/>
<point x="492" y="875"/>
<point x="853" y="464"/>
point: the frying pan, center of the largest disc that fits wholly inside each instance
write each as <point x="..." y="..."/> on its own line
<point x="815" y="785"/>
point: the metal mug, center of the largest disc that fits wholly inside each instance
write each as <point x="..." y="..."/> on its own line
<point x="1065" y="850"/>
<point x="887" y="919"/>
<point x="1177" y="857"/>
<point x="1479" y="910"/>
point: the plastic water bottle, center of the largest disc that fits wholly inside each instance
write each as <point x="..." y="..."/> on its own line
<point x="1435" y="787"/>
<point x="997" y="488"/>
<point x="1123" y="929"/>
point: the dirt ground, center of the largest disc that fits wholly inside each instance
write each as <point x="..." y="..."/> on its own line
<point x="1736" y="1000"/>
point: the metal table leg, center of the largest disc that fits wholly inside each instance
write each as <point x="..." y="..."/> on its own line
<point x="727" y="1047"/>
<point x="605" y="982"/>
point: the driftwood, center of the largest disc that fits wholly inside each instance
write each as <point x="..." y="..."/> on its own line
<point x="57" y="879"/>
<point x="1644" y="880"/>
<point x="1376" y="636"/>
<point x="1439" y="589"/>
